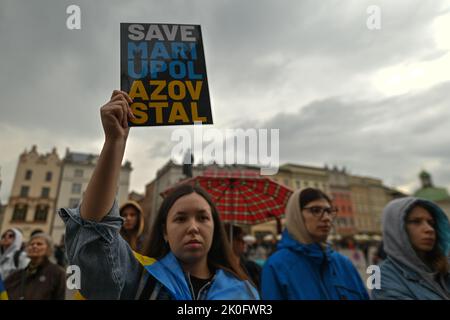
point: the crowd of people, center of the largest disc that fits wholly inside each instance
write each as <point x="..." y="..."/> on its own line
<point x="189" y="254"/>
<point x="26" y="269"/>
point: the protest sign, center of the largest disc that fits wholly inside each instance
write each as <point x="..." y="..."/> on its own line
<point x="163" y="70"/>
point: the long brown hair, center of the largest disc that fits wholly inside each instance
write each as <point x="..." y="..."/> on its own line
<point x="133" y="236"/>
<point x="219" y="255"/>
<point x="438" y="261"/>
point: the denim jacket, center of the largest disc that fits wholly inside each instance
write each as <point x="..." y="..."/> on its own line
<point x="111" y="270"/>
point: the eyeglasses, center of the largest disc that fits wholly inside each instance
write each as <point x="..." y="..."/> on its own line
<point x="8" y="235"/>
<point x="318" y="212"/>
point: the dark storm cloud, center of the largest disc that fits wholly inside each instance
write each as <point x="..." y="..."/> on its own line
<point x="54" y="74"/>
<point x="391" y="138"/>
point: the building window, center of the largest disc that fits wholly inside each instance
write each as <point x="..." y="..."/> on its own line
<point x="24" y="191"/>
<point x="48" y="176"/>
<point x="73" y="202"/>
<point x="344" y="222"/>
<point x="20" y="212"/>
<point x="297" y="184"/>
<point x="28" y="174"/>
<point x="41" y="213"/>
<point x="306" y="184"/>
<point x="76" y="188"/>
<point x="45" y="192"/>
<point x="78" y="173"/>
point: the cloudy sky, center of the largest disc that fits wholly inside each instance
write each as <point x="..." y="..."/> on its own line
<point x="375" y="101"/>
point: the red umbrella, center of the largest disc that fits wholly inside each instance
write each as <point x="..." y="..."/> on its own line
<point x="243" y="198"/>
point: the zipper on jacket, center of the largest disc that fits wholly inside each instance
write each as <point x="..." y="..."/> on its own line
<point x="202" y="288"/>
<point x="322" y="270"/>
<point x="191" y="287"/>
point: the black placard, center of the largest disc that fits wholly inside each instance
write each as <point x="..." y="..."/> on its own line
<point x="163" y="69"/>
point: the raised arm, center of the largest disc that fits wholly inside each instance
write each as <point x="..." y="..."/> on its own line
<point x="101" y="190"/>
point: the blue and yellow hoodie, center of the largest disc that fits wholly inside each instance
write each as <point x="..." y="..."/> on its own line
<point x="111" y="270"/>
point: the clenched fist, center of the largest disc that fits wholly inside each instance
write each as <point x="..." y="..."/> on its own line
<point x="115" y="115"/>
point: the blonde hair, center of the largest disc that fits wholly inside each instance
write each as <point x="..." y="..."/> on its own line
<point x="48" y="240"/>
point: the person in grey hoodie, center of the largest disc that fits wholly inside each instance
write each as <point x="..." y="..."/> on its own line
<point x="417" y="241"/>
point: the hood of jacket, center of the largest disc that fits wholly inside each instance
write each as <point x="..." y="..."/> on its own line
<point x="16" y="245"/>
<point x="397" y="245"/>
<point x="141" y="222"/>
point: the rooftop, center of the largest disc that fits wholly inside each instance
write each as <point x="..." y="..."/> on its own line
<point x="81" y="158"/>
<point x="87" y="159"/>
<point x="432" y="194"/>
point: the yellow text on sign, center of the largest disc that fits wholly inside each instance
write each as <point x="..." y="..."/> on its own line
<point x="177" y="112"/>
<point x="175" y="90"/>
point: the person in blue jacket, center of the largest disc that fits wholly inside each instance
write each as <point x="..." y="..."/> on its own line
<point x="304" y="267"/>
<point x="416" y="236"/>
<point x="188" y="256"/>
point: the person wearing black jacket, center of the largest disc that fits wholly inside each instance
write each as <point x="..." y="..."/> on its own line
<point x="41" y="279"/>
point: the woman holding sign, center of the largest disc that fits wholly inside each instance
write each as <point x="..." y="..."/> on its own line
<point x="188" y="254"/>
